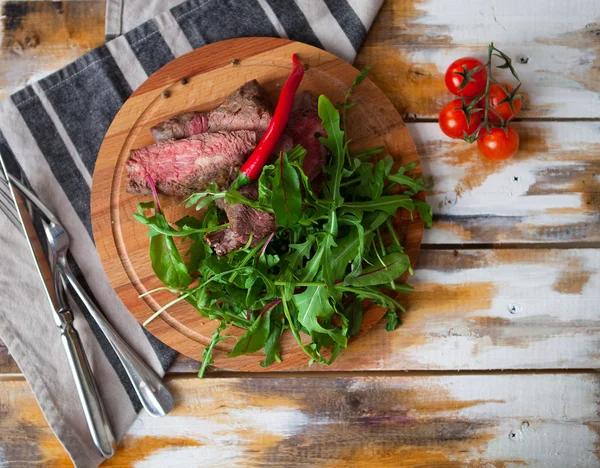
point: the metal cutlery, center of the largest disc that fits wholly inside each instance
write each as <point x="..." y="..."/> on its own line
<point x="153" y="394"/>
<point x="87" y="391"/>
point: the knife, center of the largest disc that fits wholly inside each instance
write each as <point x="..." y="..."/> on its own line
<point x="87" y="391"/>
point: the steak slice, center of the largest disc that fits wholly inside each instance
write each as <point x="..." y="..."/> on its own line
<point x="247" y="108"/>
<point x="305" y="127"/>
<point x="182" y="167"/>
<point x="244" y="222"/>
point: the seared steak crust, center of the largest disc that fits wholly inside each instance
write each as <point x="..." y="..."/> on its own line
<point x="247" y="108"/>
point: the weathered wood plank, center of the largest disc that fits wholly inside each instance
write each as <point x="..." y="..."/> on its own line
<point x="412" y="43"/>
<point x="549" y="192"/>
<point x="488" y="309"/>
<point x="409" y="47"/>
<point x="39" y="37"/>
<point x="501" y="420"/>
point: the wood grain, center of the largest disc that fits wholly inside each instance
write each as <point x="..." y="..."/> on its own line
<point x="549" y="192"/>
<point x="463" y="316"/>
<point x="487" y="309"/>
<point x="498" y="420"/>
<point x="210" y="75"/>
<point x="554" y="45"/>
<point x="409" y="47"/>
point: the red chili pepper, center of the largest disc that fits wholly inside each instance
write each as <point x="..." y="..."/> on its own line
<point x="254" y="164"/>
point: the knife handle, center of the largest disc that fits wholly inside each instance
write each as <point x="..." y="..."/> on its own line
<point x="150" y="389"/>
<point x="87" y="391"/>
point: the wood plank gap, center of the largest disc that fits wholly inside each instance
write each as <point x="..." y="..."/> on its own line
<point x="340" y="374"/>
<point x="514" y="245"/>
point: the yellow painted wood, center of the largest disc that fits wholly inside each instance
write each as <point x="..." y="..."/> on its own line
<point x="449" y="420"/>
<point x="39" y="37"/>
<point x="499" y="420"/>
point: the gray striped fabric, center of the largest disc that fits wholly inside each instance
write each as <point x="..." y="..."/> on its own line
<point x="53" y="129"/>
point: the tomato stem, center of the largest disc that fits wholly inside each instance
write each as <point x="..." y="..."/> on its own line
<point x="486" y="94"/>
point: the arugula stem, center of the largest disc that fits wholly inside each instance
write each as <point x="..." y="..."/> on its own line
<point x="392" y="231"/>
<point x="152" y="291"/>
<point x="350" y="182"/>
<point x="305" y="284"/>
<point x="207" y="355"/>
<point x="248" y="257"/>
<point x="165" y="307"/>
<point x="308" y="351"/>
<point x="381" y="246"/>
<point x="384" y="252"/>
<point x="371" y="295"/>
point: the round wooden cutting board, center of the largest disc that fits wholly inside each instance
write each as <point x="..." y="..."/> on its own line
<point x="200" y="81"/>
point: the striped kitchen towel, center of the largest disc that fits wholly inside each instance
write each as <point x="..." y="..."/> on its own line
<point x="53" y="130"/>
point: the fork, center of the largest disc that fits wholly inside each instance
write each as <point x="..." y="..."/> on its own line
<point x="153" y="394"/>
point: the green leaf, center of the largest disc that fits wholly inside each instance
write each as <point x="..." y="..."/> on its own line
<point x="300" y="251"/>
<point x="159" y="225"/>
<point x="387" y="203"/>
<point x="286" y="199"/>
<point x="392" y="320"/>
<point x="328" y="272"/>
<point x="348" y="249"/>
<point x="415" y="185"/>
<point x="360" y="77"/>
<point x="394" y="265"/>
<point x="379" y="297"/>
<point x="354" y="313"/>
<point x="255" y="337"/>
<point x="335" y="143"/>
<point x="207" y="353"/>
<point x="272" y="346"/>
<point x="372" y="178"/>
<point x="264" y="185"/>
<point x="167" y="263"/>
<point x="315" y="309"/>
<point x="425" y="212"/>
<point x="206" y="197"/>
<point x="233" y="196"/>
<point x="366" y="155"/>
<point x="296" y="154"/>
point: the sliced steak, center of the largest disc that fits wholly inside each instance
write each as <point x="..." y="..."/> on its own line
<point x="305" y="127"/>
<point x="223" y="241"/>
<point x="247" y="108"/>
<point x="244" y="222"/>
<point x="182" y="167"/>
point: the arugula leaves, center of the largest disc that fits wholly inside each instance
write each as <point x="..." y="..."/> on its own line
<point x="286" y="198"/>
<point x="311" y="275"/>
<point x="255" y="337"/>
<point x="167" y="263"/>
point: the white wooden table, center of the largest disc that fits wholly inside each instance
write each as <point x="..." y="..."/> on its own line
<point x="507" y="283"/>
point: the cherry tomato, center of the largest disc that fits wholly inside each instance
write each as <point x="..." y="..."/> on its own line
<point x="497" y="94"/>
<point x="453" y="120"/>
<point x="476" y="84"/>
<point x="497" y="145"/>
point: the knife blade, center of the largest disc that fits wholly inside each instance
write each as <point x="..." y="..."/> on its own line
<point x="87" y="391"/>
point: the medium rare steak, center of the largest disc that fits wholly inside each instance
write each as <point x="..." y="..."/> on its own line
<point x="247" y="108"/>
<point x="305" y="127"/>
<point x="182" y="167"/>
<point x="244" y="221"/>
